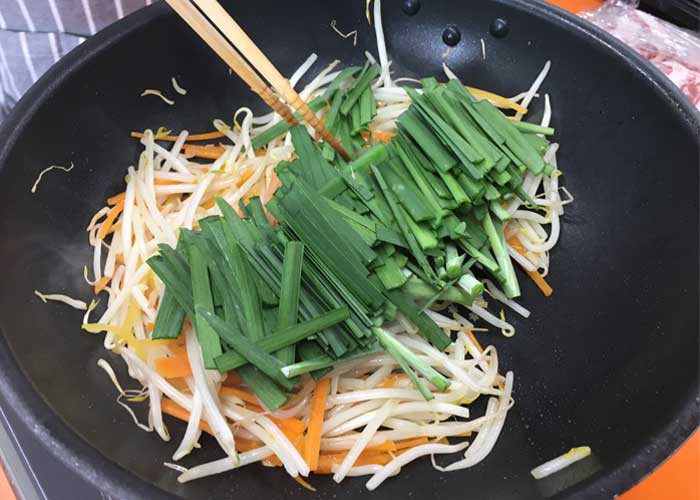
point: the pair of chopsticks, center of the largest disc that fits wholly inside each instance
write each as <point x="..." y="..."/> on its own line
<point x="209" y="20"/>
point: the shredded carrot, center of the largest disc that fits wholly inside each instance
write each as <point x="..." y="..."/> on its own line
<point x="120" y="258"/>
<point x="540" y="282"/>
<point x="240" y="394"/>
<point x="312" y="445"/>
<point x="472" y="337"/>
<point x="382" y="136"/>
<point x="209" y="151"/>
<point x="326" y="462"/>
<point x="109" y="220"/>
<point x="206" y="136"/>
<point x="232" y="379"/>
<point x="116" y="199"/>
<point x="173" y="409"/>
<point x="173" y="367"/>
<point x="101" y="283"/>
<point x="391" y="381"/>
<point x="546" y="289"/>
<point x="388" y="445"/>
<point x="209" y="204"/>
<point x="150" y="326"/>
<point x="296" y="439"/>
<point x="165" y="182"/>
<point x="514" y="242"/>
<point x="244" y="177"/>
<point x="290" y="426"/>
<point x="243" y="445"/>
<point x="497" y="99"/>
<point x="303" y="483"/>
<point x="405" y="444"/>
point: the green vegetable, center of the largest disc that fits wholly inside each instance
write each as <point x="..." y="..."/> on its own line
<point x="289" y="294"/>
<point x="201" y="294"/>
<point x="284" y="337"/>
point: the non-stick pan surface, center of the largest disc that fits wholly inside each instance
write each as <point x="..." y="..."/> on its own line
<point x="609" y="361"/>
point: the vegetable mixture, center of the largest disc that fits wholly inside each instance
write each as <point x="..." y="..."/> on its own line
<point x="308" y="312"/>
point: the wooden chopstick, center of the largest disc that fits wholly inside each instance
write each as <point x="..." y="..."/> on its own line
<point x="223" y="49"/>
<point x="235" y="34"/>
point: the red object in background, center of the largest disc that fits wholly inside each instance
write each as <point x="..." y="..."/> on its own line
<point x="6" y="492"/>
<point x="677" y="478"/>
<point x="577" y="5"/>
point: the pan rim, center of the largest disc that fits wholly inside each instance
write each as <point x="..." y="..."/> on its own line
<point x="17" y="390"/>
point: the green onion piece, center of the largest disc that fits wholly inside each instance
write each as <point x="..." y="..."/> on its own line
<point x="324" y="361"/>
<point x="532" y="128"/>
<point x="312" y="350"/>
<point x="256" y="356"/>
<point x="289" y="294"/>
<point x="394" y="346"/>
<point x="424" y="235"/>
<point x="361" y="165"/>
<point x="348" y="72"/>
<point x="499" y="211"/>
<point x="269" y="394"/>
<point x="413" y="245"/>
<point x="494" y="230"/>
<point x="358" y="87"/>
<point x="201" y="294"/>
<point x="169" y="318"/>
<point x="471" y="285"/>
<point x="425" y="325"/>
<point x="285" y="337"/>
<point x="170" y="315"/>
<point x="411" y="124"/>
<point x="419" y="289"/>
<point x="283" y="127"/>
<point x="453" y="261"/>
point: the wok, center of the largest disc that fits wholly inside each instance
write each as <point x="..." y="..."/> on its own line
<point x="609" y="361"/>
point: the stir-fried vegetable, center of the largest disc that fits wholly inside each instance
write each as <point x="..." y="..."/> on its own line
<point x="292" y="304"/>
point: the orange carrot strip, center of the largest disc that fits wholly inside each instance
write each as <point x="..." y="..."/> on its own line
<point x="304" y="484"/>
<point x="540" y="282"/>
<point x="240" y="394"/>
<point x="391" y="381"/>
<point x="109" y="220"/>
<point x="472" y="337"/>
<point x="243" y="445"/>
<point x="116" y="199"/>
<point x="150" y="326"/>
<point x="517" y="246"/>
<point x="209" y="151"/>
<point x="534" y="275"/>
<point x="174" y="367"/>
<point x="382" y="136"/>
<point x="388" y="445"/>
<point x="207" y="136"/>
<point x="101" y="283"/>
<point x="244" y="177"/>
<point x="312" y="445"/>
<point x="404" y="444"/>
<point x="173" y="409"/>
<point x="326" y="462"/>
<point x="233" y="379"/>
<point x="292" y="426"/>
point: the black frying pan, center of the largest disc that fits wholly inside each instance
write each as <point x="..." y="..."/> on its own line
<point x="610" y="361"/>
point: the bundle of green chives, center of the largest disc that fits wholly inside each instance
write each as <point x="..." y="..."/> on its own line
<point x="355" y="243"/>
